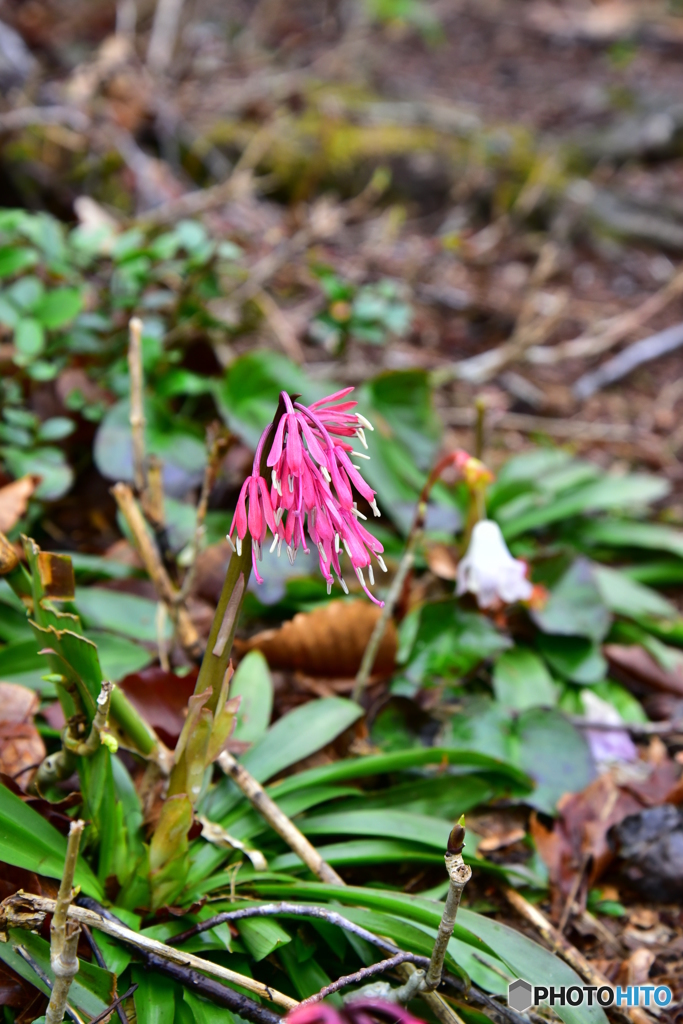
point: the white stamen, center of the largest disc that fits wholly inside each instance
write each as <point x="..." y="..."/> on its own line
<point x="371" y="575"/>
<point x="278" y="516"/>
<point x="348" y="549"/>
<point x="273" y="477"/>
<point x="321" y="549"/>
<point x="290" y="480"/>
<point x="325" y="472"/>
<point x="359" y="574"/>
<point x="290" y="555"/>
<point x="343" y="584"/>
<point x="360" y="455"/>
<point x="259" y="552"/>
<point x="381" y="563"/>
<point x="375" y="510"/>
<point x="360" y="434"/>
<point x="364" y="421"/>
<point x="274" y="544"/>
<point x="329" y="587"/>
<point x="279" y="547"/>
<point x="356" y="467"/>
<point x="238" y="543"/>
<point x="357" y="514"/>
<point x="336" y="543"/>
<point x="229" y="540"/>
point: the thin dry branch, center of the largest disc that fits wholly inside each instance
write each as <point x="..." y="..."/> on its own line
<point x="637" y="354"/>
<point x="362" y="975"/>
<point x="64" y="932"/>
<point x="15" y="906"/>
<point x="577" y="430"/>
<point x="163" y="35"/>
<point x="277" y="820"/>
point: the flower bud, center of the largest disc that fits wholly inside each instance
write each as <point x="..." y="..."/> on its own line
<point x="456" y="840"/>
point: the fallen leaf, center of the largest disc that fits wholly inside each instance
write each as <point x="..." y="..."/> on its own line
<point x="327" y="642"/>
<point x="634" y="664"/>
<point x="443" y="561"/>
<point x="15" y="991"/>
<point x="55" y="813"/>
<point x="21" y="745"/>
<point x="14" y="500"/>
<point x="161" y="698"/>
<point x="577" y="842"/>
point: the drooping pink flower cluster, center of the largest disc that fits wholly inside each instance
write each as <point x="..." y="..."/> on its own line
<point x="313" y="479"/>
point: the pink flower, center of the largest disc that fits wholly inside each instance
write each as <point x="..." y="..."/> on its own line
<point x="312" y="490"/>
<point x="356" y="1011"/>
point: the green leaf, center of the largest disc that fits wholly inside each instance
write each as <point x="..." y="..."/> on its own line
<point x="575" y="658"/>
<point x="118" y="656"/>
<point x="49" y="464"/>
<point x="299" y="734"/>
<point x="191" y="1009"/>
<point x="21" y="663"/>
<point x="622" y="533"/>
<point x="262" y="936"/>
<point x="307" y="977"/>
<point x="575" y="606"/>
<point x="127" y="614"/>
<point x="14" y="259"/>
<point x="626" y="597"/>
<point x="56" y="428"/>
<point x="399" y="824"/>
<point x="59" y="306"/>
<point x="9" y="315"/>
<point x="154" y="997"/>
<point x="29" y="339"/>
<point x="451" y="642"/>
<point x="252" y="682"/>
<point x="633" y="491"/>
<point x="555" y="755"/>
<point x="360" y="852"/>
<point x="521" y="680"/>
<point x="28" y="841"/>
<point x="93" y="988"/>
<point x="248" y="396"/>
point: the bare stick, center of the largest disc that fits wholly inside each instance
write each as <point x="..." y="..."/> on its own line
<point x="99" y="959"/>
<point x="137" y="412"/>
<point x="277" y="820"/>
<point x="630" y="359"/>
<point x="634" y="728"/>
<point x="365" y="972"/>
<point x="395" y="591"/>
<point x="459" y="875"/>
<point x="27" y="117"/>
<point x="163" y="36"/>
<point x="64" y="933"/>
<point x="13" y="908"/>
<point x="558" y="943"/>
<point x="605" y="336"/>
<point x="149" y="553"/>
<point x="25" y="955"/>
<point x="577" y="430"/>
<point x="116" y="1005"/>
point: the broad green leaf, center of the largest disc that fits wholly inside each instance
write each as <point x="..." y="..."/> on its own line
<point x="626" y="597"/>
<point x="56" y="428"/>
<point x="48" y="463"/>
<point x="664" y="572"/>
<point x="358" y="852"/>
<point x="555" y="754"/>
<point x="398" y="824"/>
<point x="307" y="977"/>
<point x="248" y="396"/>
<point x="253" y="684"/>
<point x="575" y="658"/>
<point x="28" y="841"/>
<point x="532" y="466"/>
<point x="29" y="339"/>
<point x="299" y="734"/>
<point x="21" y="663"/>
<point x="262" y="935"/>
<point x="405" y="760"/>
<point x="575" y="606"/>
<point x="118" y="656"/>
<point x="633" y="491"/>
<point x="155" y="997"/>
<point x="127" y="614"/>
<point x="9" y="315"/>
<point x="14" y="259"/>
<point x="622" y="533"/>
<point x="92" y="989"/>
<point x="192" y="1009"/>
<point x="59" y="306"/>
<point x="521" y="680"/>
<point x="403" y="401"/>
<point x="445" y="795"/>
<point x="451" y="642"/>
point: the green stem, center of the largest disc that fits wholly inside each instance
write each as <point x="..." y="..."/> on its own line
<point x="125" y="715"/>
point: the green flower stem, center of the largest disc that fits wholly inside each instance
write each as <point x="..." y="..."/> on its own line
<point x="128" y="719"/>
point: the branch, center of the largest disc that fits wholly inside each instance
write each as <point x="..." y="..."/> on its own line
<point x="47" y="982"/>
<point x="365" y="972"/>
<point x="99" y="959"/>
<point x="459" y="875"/>
<point x="116" y="1005"/>
<point x="278" y="820"/>
<point x="163" y="36"/>
<point x="64" y="933"/>
<point x="13" y="908"/>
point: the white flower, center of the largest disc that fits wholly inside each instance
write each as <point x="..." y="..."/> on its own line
<point x="489" y="571"/>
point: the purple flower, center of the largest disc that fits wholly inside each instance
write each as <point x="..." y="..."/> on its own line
<point x="312" y="490"/>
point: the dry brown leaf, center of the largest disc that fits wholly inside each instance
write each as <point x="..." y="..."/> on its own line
<point x="327" y="642"/>
<point x="20" y="742"/>
<point x="443" y="561"/>
<point x="14" y="500"/>
<point x="634" y="664"/>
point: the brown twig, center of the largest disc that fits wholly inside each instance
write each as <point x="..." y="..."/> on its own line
<point x="459" y="875"/>
<point x="576" y="430"/>
<point x="64" y="932"/>
<point x="641" y="352"/>
<point x="149" y="553"/>
<point x="142" y="943"/>
<point x="100" y="961"/>
<point x="116" y="1005"/>
<point x="277" y="820"/>
<point x="634" y="728"/>
<point x="163" y="35"/>
<point x="40" y="973"/>
<point x="362" y="975"/>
